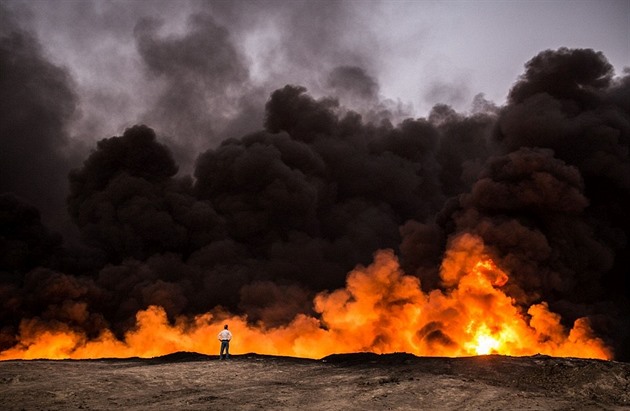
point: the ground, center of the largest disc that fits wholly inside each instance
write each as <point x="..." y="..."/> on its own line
<point x="186" y="381"/>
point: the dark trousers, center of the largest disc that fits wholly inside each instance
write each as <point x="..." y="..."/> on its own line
<point x="225" y="346"/>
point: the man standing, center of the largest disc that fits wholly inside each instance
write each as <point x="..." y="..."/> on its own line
<point x="225" y="336"/>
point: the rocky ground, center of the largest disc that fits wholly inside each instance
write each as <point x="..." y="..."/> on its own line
<point x="186" y="381"/>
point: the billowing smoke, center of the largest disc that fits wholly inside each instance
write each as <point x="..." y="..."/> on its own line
<point x="197" y="73"/>
<point x="550" y="199"/>
<point x="37" y="103"/>
<point x="270" y="218"/>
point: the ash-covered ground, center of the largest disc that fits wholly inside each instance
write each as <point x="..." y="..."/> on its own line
<point x="349" y="382"/>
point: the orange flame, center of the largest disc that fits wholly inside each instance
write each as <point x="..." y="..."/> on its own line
<point x="380" y="310"/>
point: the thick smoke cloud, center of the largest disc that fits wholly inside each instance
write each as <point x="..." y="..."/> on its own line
<point x="37" y="102"/>
<point x="25" y="243"/>
<point x="552" y="205"/>
<point x="586" y="125"/>
<point x="198" y="76"/>
<point x="316" y="193"/>
<point x="570" y="75"/>
<point x="284" y="212"/>
<point x="125" y="201"/>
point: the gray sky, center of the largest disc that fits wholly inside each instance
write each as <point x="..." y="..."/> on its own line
<point x="419" y="52"/>
<point x="481" y="46"/>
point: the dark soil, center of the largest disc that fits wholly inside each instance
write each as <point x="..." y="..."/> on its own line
<point x="338" y="382"/>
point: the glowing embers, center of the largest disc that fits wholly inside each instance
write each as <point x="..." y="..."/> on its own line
<point x="380" y="310"/>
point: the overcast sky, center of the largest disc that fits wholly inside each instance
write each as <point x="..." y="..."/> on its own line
<point x="419" y="52"/>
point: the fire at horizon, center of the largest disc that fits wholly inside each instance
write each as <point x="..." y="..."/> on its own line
<point x="380" y="310"/>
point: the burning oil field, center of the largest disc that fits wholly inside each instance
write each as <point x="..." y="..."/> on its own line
<point x="314" y="223"/>
<point x="528" y="258"/>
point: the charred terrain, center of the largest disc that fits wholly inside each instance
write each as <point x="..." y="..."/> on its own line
<point x="349" y="381"/>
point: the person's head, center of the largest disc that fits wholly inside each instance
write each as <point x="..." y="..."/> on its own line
<point x="225" y="326"/>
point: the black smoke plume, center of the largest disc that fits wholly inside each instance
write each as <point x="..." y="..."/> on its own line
<point x="36" y="101"/>
<point x="285" y="212"/>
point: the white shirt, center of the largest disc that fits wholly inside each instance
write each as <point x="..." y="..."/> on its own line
<point x="225" y="335"/>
